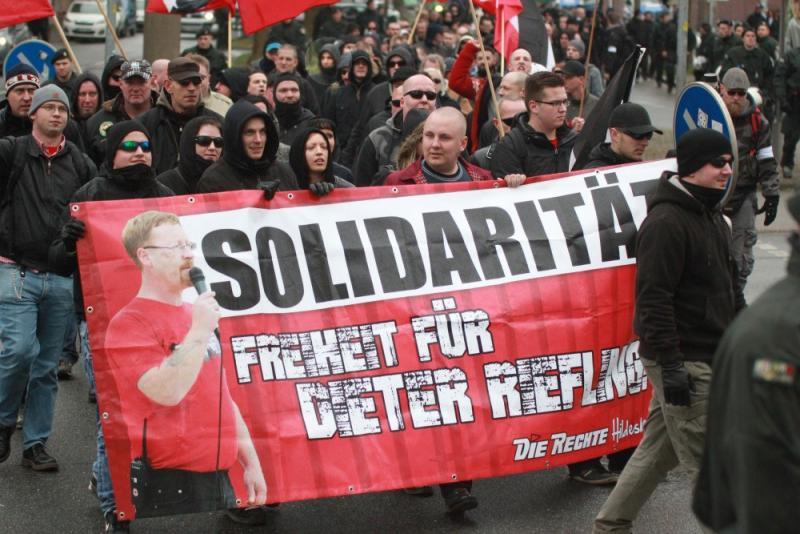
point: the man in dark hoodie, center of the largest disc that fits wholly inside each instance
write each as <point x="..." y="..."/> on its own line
<point x="328" y="59"/>
<point x="350" y="99"/>
<point x="686" y="296"/>
<point x="248" y="162"/>
<point x="112" y="73"/>
<point x="292" y="117"/>
<point x="201" y="146"/>
<point x="233" y="83"/>
<point x="375" y="102"/>
<point x="179" y="102"/>
<point x="134" y="99"/>
<point x="86" y="101"/>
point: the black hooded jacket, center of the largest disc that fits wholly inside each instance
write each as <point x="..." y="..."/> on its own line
<point x="325" y="77"/>
<point x="292" y="118"/>
<point x="685" y="276"/>
<point x="165" y="126"/>
<point x="297" y="159"/>
<point x="114" y="62"/>
<point x="73" y="104"/>
<point x="349" y="101"/>
<point x="235" y="170"/>
<point x="237" y="79"/>
<point x="183" y="178"/>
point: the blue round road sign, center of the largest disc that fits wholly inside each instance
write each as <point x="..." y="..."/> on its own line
<point x="35" y="53"/>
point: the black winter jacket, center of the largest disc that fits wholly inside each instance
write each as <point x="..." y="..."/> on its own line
<point x="526" y="151"/>
<point x="34" y="195"/>
<point x="165" y="126"/>
<point x="111" y="112"/>
<point x="603" y="156"/>
<point x="12" y="126"/>
<point x="685" y="294"/>
<point x="182" y="180"/>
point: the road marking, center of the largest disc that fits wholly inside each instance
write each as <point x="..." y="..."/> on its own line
<point x="772" y="250"/>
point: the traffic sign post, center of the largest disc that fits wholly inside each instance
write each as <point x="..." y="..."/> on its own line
<point x="35" y="53"/>
<point x="700" y="106"/>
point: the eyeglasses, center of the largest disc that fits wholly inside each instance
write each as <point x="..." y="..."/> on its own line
<point x="639" y="137"/>
<point x="555" y="103"/>
<point x="396" y="103"/>
<point x="720" y="161"/>
<point x="737" y="92"/>
<point x="206" y="140"/>
<point x="179" y="247"/>
<point x="509" y="121"/>
<point x="52" y="108"/>
<point x="417" y="94"/>
<point x="190" y="81"/>
<point x="131" y="146"/>
<point x="396" y="64"/>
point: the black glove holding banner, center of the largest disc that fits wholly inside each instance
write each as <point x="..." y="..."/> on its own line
<point x="72" y="230"/>
<point x="321" y="188"/>
<point x="769" y="208"/>
<point x="269" y="188"/>
<point x="677" y="384"/>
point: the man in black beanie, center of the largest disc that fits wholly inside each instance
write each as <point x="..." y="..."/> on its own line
<point x="686" y="295"/>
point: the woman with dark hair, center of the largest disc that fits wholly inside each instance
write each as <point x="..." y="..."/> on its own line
<point x="200" y="146"/>
<point x="311" y="161"/>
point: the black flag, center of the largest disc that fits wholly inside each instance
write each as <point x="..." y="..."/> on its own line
<point x="617" y="92"/>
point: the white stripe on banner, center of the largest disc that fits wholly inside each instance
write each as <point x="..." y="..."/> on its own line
<point x="418" y="245"/>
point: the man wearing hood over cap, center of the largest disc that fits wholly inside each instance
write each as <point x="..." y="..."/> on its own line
<point x="686" y="296"/>
<point x="248" y="162"/>
<point x="179" y="102"/>
<point x="112" y="73"/>
<point x="292" y="116"/>
<point x="39" y="173"/>
<point x="349" y="100"/>
<point x="233" y="83"/>
<point x="201" y="147"/>
<point x="328" y="60"/>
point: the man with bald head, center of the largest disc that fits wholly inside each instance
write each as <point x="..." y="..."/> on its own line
<point x="158" y="74"/>
<point x="520" y="61"/>
<point x="512" y="84"/>
<point x="379" y="151"/>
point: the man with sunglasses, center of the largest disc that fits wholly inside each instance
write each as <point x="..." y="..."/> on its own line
<point x="378" y="153"/>
<point x="541" y="142"/>
<point x="757" y="166"/>
<point x="179" y="102"/>
<point x="686" y="296"/>
<point x="134" y="99"/>
<point x="631" y="131"/>
<point x="39" y="173"/>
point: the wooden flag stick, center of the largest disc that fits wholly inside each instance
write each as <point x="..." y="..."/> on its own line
<point x="110" y="28"/>
<point x="72" y="55"/>
<point x="416" y="21"/>
<point x="588" y="55"/>
<point x="230" y="40"/>
<point x="489" y="80"/>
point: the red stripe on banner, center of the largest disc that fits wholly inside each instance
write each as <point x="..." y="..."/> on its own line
<point x="19" y="11"/>
<point x="479" y="399"/>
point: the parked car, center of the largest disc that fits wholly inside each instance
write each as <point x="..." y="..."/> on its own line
<point x="11" y="37"/>
<point x="192" y="22"/>
<point x="140" y="5"/>
<point x="84" y="21"/>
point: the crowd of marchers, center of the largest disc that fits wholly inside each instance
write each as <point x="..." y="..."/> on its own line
<point x="370" y="100"/>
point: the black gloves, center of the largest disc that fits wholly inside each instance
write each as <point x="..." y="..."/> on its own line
<point x="677" y="384"/>
<point x="72" y="230"/>
<point x="321" y="188"/>
<point x="770" y="208"/>
<point x="269" y="188"/>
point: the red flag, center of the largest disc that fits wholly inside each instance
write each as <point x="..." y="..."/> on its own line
<point x="258" y="14"/>
<point x="507" y="15"/>
<point x="182" y="7"/>
<point x="488" y="6"/>
<point x="19" y="11"/>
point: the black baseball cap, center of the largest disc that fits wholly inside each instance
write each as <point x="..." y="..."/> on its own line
<point x="572" y="68"/>
<point x="632" y="118"/>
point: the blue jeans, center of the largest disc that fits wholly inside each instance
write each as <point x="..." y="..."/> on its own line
<point x="100" y="468"/>
<point x="35" y="309"/>
<point x="70" y="354"/>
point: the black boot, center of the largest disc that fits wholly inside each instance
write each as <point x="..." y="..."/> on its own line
<point x="5" y="442"/>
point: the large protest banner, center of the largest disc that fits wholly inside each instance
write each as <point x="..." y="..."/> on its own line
<point x="383" y="338"/>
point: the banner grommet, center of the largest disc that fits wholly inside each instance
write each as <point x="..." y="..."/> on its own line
<point x="190" y="200"/>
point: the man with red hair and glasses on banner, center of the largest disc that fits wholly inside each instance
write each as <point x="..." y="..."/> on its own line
<point x="184" y="428"/>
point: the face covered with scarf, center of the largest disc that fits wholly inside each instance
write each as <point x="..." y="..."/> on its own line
<point x="128" y="153"/>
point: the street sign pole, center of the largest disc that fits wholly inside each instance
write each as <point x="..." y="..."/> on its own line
<point x="683" y="32"/>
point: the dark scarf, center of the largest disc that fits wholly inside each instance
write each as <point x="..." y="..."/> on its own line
<point x="707" y="196"/>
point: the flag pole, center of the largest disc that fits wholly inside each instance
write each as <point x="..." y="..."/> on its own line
<point x="111" y="29"/>
<point x="502" y="19"/>
<point x="589" y="54"/>
<point x="489" y="80"/>
<point x="230" y="40"/>
<point x="416" y="21"/>
<point x="72" y="55"/>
